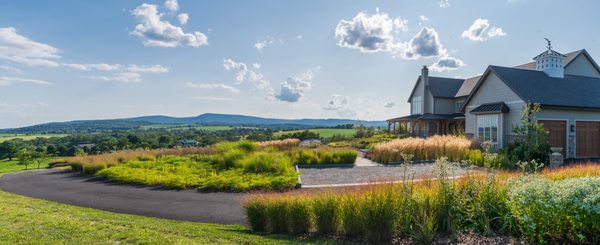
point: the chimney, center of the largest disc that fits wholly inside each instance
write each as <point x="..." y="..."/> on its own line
<point x="425" y="75"/>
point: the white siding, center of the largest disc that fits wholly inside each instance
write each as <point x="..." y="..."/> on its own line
<point x="581" y="66"/>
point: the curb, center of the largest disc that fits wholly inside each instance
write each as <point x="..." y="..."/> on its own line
<point x="344" y="165"/>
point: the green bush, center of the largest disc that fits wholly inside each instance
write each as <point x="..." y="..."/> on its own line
<point x="303" y="156"/>
<point x="352" y="216"/>
<point x="327" y="215"/>
<point x="557" y="210"/>
<point x="277" y="211"/>
<point x="380" y="212"/>
<point x="263" y="162"/>
<point x="92" y="168"/>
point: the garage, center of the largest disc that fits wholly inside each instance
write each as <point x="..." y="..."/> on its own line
<point x="557" y="133"/>
<point x="588" y="139"/>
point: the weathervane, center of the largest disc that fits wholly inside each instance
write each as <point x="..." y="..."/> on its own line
<point x="549" y="46"/>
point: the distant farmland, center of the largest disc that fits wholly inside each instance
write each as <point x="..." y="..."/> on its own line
<point x="186" y="126"/>
<point x="5" y="137"/>
<point x="324" y="132"/>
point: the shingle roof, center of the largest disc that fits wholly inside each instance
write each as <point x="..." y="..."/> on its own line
<point x="444" y="87"/>
<point x="467" y="86"/>
<point x="498" y="107"/>
<point x="427" y="116"/>
<point x="537" y="87"/>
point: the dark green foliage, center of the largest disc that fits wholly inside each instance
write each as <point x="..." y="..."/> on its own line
<point x="327" y="215"/>
<point x="256" y="212"/>
<point x="277" y="212"/>
<point x="300" y="216"/>
<point x="303" y="156"/>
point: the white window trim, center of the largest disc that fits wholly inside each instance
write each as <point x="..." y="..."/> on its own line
<point x="487" y="123"/>
<point x="417" y="105"/>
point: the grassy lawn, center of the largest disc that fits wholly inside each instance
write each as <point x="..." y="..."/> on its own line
<point x="32" y="221"/>
<point x="7" y="166"/>
<point x="324" y="132"/>
<point x="5" y="137"/>
<point x="186" y="126"/>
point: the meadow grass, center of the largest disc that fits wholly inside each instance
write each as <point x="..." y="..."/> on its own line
<point x="323" y="132"/>
<point x="533" y="207"/>
<point x="7" y="166"/>
<point x="432" y="148"/>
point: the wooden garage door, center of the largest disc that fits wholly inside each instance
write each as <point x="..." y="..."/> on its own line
<point x="588" y="139"/>
<point x="557" y="133"/>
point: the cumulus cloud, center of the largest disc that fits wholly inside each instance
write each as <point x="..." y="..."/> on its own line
<point x="425" y="44"/>
<point x="369" y="33"/>
<point x="6" y="81"/>
<point x="183" y="18"/>
<point x="336" y="102"/>
<point x="480" y="30"/>
<point x="18" y="48"/>
<point x="294" y="88"/>
<point x="161" y="33"/>
<point x="389" y="104"/>
<point x="423" y="18"/>
<point x="99" y="66"/>
<point x="172" y="5"/>
<point x="246" y="74"/>
<point x="125" y="77"/>
<point x="447" y="63"/>
<point x="147" y="69"/>
<point x="213" y="86"/>
<point x="444" y="3"/>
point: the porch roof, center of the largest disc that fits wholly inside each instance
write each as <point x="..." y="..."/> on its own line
<point x="489" y="108"/>
<point x="428" y="116"/>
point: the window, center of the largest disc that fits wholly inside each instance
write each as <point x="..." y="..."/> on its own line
<point x="417" y="105"/>
<point x="458" y="105"/>
<point x="487" y="128"/>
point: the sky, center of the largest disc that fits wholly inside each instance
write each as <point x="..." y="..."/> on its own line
<point x="70" y="60"/>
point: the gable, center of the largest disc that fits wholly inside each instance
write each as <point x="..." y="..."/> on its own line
<point x="582" y="66"/>
<point x="416" y="91"/>
<point x="491" y="89"/>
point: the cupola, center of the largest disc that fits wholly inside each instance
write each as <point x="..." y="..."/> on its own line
<point x="550" y="62"/>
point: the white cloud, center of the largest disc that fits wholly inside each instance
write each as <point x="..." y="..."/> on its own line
<point x="423" y="18"/>
<point x="243" y="74"/>
<point x="161" y="33"/>
<point x="6" y="81"/>
<point x="10" y="69"/>
<point x="294" y="88"/>
<point x="125" y="77"/>
<point x="425" y="44"/>
<point x="447" y="63"/>
<point x="369" y="33"/>
<point x="480" y="30"/>
<point x="337" y="102"/>
<point x="389" y="104"/>
<point x="17" y="48"/>
<point x="147" y="69"/>
<point x="183" y="18"/>
<point x="99" y="66"/>
<point x="299" y="37"/>
<point x="267" y="42"/>
<point x="208" y="98"/>
<point x="213" y="86"/>
<point x="444" y="3"/>
<point x="172" y="5"/>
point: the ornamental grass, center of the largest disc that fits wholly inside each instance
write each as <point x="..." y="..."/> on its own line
<point x="432" y="148"/>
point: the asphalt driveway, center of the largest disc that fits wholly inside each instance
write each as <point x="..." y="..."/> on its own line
<point x="75" y="189"/>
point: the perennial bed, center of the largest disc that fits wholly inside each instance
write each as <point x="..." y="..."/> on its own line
<point x="540" y="208"/>
<point x="239" y="166"/>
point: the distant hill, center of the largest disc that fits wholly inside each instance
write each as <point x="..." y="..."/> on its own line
<point x="81" y="126"/>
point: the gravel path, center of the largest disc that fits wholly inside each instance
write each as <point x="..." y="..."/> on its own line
<point x="75" y="189"/>
<point x="321" y="177"/>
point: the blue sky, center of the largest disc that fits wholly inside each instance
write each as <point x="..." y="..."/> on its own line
<point x="67" y="60"/>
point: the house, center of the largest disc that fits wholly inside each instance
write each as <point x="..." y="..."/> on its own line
<point x="488" y="107"/>
<point x="188" y="143"/>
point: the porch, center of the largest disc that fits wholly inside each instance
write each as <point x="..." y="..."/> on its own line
<point x="425" y="125"/>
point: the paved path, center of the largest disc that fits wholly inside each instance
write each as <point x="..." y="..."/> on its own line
<point x="72" y="188"/>
<point x="360" y="175"/>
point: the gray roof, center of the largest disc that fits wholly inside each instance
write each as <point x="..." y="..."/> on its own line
<point x="498" y="107"/>
<point x="444" y="87"/>
<point x="427" y="116"/>
<point x="537" y="87"/>
<point x="467" y="86"/>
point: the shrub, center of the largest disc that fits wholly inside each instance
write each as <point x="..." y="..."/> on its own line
<point x="279" y="144"/>
<point x="352" y="216"/>
<point x="303" y="156"/>
<point x="557" y="210"/>
<point x="256" y="211"/>
<point x="263" y="162"/>
<point x="327" y="214"/>
<point x="380" y="212"/>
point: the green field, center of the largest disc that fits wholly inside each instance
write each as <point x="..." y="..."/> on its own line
<point x="7" y="166"/>
<point x="324" y="132"/>
<point x="5" y="137"/>
<point x="186" y="126"/>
